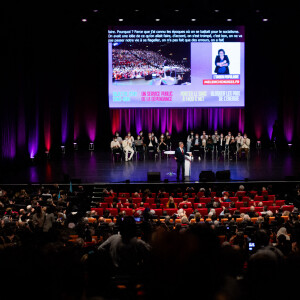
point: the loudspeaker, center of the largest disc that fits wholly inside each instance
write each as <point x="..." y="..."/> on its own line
<point x="223" y="175"/>
<point x="207" y="176"/>
<point x="153" y="176"/>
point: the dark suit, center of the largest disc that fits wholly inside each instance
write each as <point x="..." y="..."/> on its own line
<point x="180" y="158"/>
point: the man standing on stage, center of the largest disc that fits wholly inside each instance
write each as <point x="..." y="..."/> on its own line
<point x="180" y="154"/>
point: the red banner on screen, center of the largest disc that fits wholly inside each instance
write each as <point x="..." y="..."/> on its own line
<point x="220" y="81"/>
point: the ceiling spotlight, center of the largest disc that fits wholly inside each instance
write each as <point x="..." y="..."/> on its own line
<point x="121" y="20"/>
<point x="84" y="20"/>
<point x="258" y="11"/>
<point x="229" y="20"/>
<point x="265" y="20"/>
<point x="95" y="10"/>
<point x="157" y="20"/>
<point x="177" y="10"/>
<point x="217" y="10"/>
<point x="136" y="10"/>
<point x="193" y="20"/>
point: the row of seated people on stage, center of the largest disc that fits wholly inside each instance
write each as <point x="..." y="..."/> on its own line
<point x="141" y="144"/>
<point x="105" y="255"/>
<point x="218" y="143"/>
<point x="196" y="144"/>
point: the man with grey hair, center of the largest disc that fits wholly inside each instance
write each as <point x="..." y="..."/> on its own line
<point x="180" y="154"/>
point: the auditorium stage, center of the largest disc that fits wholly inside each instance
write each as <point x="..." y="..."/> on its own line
<point x="97" y="167"/>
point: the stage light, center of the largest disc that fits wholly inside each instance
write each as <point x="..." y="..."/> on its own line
<point x="177" y="10"/>
<point x="91" y="147"/>
<point x="265" y="20"/>
<point x="290" y="145"/>
<point x="193" y="20"/>
<point x="121" y="20"/>
<point x="63" y="149"/>
<point x="83" y="20"/>
<point x="47" y="154"/>
<point x="157" y="20"/>
<point x="229" y="20"/>
<point x="136" y="10"/>
<point x="217" y="10"/>
<point x="95" y="10"/>
<point x="75" y="146"/>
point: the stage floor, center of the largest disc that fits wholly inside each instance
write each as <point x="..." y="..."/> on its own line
<point x="97" y="167"/>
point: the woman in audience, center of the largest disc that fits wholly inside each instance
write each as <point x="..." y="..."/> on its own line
<point x="171" y="203"/>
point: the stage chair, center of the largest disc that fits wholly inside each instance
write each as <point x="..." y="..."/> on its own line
<point x="285" y="218"/>
<point x="238" y="220"/>
<point x="224" y="220"/>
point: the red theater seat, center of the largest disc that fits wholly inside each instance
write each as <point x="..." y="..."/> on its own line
<point x="137" y="200"/>
<point x="232" y="210"/>
<point x="153" y="205"/>
<point x="177" y="200"/>
<point x="189" y="205"/>
<point x="273" y="208"/>
<point x="238" y="205"/>
<point x="202" y="211"/>
<point x="288" y="207"/>
<point x="225" y="204"/>
<point x="267" y="203"/>
<point x="127" y="210"/>
<point x="104" y="205"/>
<point x="171" y="211"/>
<point x="140" y="195"/>
<point x="213" y="194"/>
<point x="280" y="202"/>
<point x="113" y="211"/>
<point x="196" y="205"/>
<point x="150" y="200"/>
<point x="259" y="208"/>
<point x="271" y="197"/>
<point x="98" y="210"/>
<point x="205" y="200"/>
<point x="258" y="198"/>
<point x="124" y="195"/>
<point x="263" y="193"/>
<point x="123" y="200"/>
<point x="164" y="200"/>
<point x="158" y="212"/>
<point x="233" y="199"/>
<point x="193" y="194"/>
<point x="218" y="211"/>
<point x="244" y="209"/>
<point x="108" y="199"/>
<point x="200" y="194"/>
<point x="240" y="193"/>
<point x="188" y="211"/>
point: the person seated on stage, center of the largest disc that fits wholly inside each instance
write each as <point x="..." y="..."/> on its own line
<point x="189" y="140"/>
<point x="196" y="144"/>
<point x="127" y="147"/>
<point x="238" y="140"/>
<point x="162" y="136"/>
<point x="153" y="136"/>
<point x="221" y="145"/>
<point x="209" y="143"/>
<point x="162" y="146"/>
<point x="139" y="146"/>
<point x="171" y="203"/>
<point x="115" y="147"/>
<point x="245" y="146"/>
<point x="141" y="134"/>
<point x="118" y="137"/>
<point x="227" y="140"/>
<point x="232" y="147"/>
<point x="203" y="139"/>
<point x="216" y="140"/>
<point x="130" y="137"/>
<point x="151" y="144"/>
<point x="168" y="140"/>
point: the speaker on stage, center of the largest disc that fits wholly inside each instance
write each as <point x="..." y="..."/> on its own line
<point x="223" y="175"/>
<point x="153" y="176"/>
<point x="207" y="176"/>
<point x="148" y="77"/>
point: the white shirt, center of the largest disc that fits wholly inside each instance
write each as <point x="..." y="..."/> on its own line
<point x="227" y="139"/>
<point x="131" y="138"/>
<point x="190" y="138"/>
<point x="239" y="139"/>
<point x="245" y="143"/>
<point x="126" y="144"/>
<point x="119" y="139"/>
<point x="114" y="144"/>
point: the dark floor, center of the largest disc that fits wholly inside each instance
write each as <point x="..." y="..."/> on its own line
<point x="97" y="167"/>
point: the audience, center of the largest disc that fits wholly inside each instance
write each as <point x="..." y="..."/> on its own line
<point x="58" y="242"/>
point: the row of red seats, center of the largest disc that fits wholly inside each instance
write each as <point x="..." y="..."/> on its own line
<point x="271" y="198"/>
<point x="199" y="194"/>
<point x="238" y="205"/>
<point x="202" y="211"/>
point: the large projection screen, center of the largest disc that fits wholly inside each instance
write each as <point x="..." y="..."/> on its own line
<point x="176" y="66"/>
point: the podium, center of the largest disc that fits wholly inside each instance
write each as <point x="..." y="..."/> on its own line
<point x="187" y="165"/>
